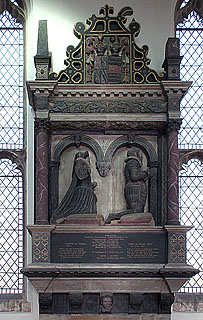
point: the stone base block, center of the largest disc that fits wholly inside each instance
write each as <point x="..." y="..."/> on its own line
<point x="83" y="219"/>
<point x="136" y="219"/>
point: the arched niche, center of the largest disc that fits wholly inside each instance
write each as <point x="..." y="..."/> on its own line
<point x="111" y="181"/>
<point x="60" y="152"/>
<point x="150" y="154"/>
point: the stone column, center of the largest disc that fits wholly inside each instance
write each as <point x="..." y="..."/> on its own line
<point x="173" y="167"/>
<point x="41" y="156"/>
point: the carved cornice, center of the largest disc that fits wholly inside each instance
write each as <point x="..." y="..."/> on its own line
<point x="177" y="88"/>
<point x="39" y="90"/>
<point x="62" y="91"/>
<point x="186" y="155"/>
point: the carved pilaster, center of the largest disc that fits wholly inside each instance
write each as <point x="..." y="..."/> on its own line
<point x="41" y="242"/>
<point x="173" y="165"/>
<point x="41" y="129"/>
<point x="177" y="247"/>
<point x="177" y="244"/>
<point x="41" y="247"/>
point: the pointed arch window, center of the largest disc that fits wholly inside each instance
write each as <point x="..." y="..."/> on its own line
<point x="189" y="29"/>
<point x="11" y="146"/>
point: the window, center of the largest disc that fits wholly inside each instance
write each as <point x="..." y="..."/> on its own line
<point x="11" y="148"/>
<point x="11" y="227"/>
<point x="190" y="33"/>
<point x="11" y="85"/>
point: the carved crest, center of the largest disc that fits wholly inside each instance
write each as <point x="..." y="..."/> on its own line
<point x="107" y="52"/>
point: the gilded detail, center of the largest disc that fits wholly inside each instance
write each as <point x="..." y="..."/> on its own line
<point x="107" y="52"/>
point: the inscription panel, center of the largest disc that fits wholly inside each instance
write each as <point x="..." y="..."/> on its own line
<point x="108" y="248"/>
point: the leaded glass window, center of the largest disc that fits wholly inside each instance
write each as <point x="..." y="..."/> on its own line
<point x="11" y="228"/>
<point x="11" y="145"/>
<point x="191" y="210"/>
<point x="11" y="82"/>
<point x="190" y="33"/>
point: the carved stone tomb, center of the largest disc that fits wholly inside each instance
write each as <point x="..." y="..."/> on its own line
<point x="107" y="239"/>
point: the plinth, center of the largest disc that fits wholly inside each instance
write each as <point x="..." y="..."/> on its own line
<point x="140" y="267"/>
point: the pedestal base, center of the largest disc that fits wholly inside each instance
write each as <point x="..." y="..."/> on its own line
<point x="138" y="268"/>
<point x="83" y="219"/>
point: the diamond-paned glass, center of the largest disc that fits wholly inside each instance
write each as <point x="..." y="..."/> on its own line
<point x="190" y="33"/>
<point x="11" y="82"/>
<point x="191" y="214"/>
<point x="11" y="228"/>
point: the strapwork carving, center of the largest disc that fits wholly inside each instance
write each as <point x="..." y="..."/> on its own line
<point x="107" y="52"/>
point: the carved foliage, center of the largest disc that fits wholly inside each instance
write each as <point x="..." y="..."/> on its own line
<point x="108" y="106"/>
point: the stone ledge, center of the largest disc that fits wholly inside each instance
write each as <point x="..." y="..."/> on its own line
<point x="7" y="305"/>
